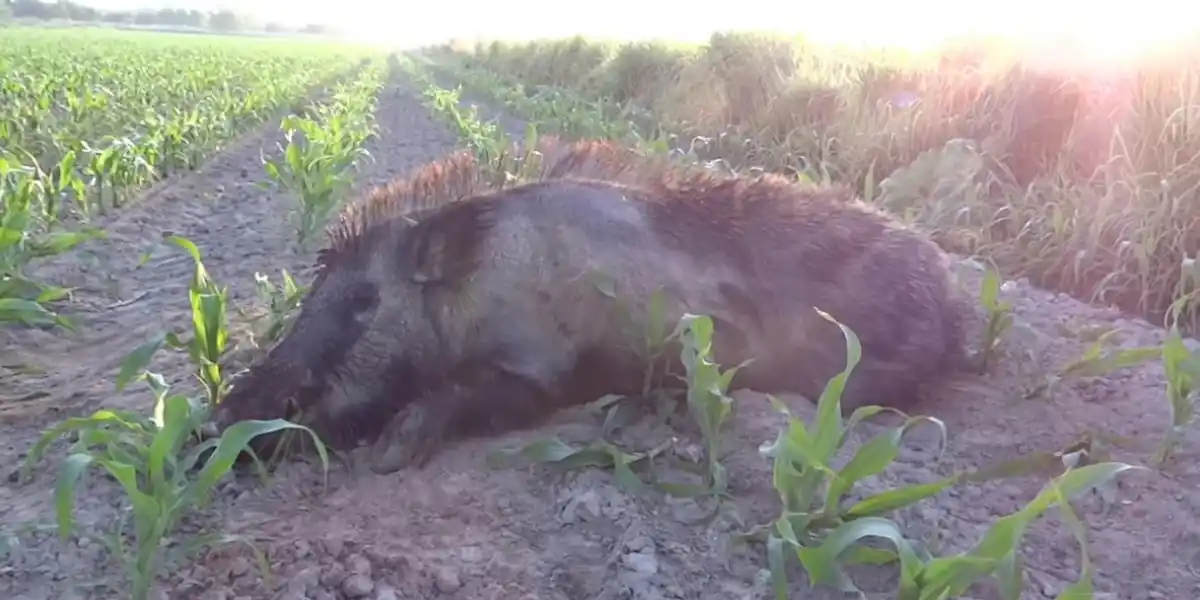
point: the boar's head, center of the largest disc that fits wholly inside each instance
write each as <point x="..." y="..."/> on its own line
<point x="364" y="342"/>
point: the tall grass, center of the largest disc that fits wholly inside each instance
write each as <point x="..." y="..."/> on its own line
<point x="1087" y="177"/>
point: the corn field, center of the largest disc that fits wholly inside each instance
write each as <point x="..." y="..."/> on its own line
<point x="92" y="117"/>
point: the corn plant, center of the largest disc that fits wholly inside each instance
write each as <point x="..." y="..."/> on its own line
<point x="816" y="528"/>
<point x="210" y="332"/>
<point x="1182" y="367"/>
<point x="486" y="138"/>
<point x="282" y="304"/>
<point x="24" y="194"/>
<point x="322" y="151"/>
<point x="999" y="318"/>
<point x="147" y="455"/>
<point x="1095" y="362"/>
<point x="125" y="109"/>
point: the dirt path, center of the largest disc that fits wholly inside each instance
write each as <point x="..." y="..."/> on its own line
<point x="459" y="530"/>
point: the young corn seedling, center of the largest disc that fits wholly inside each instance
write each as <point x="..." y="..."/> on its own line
<point x="318" y="164"/>
<point x="1182" y="366"/>
<point x="282" y="304"/>
<point x="999" y="318"/>
<point x="707" y="385"/>
<point x="824" y="536"/>
<point x="210" y="332"/>
<point x="651" y="333"/>
<point x="996" y="554"/>
<point x="147" y="455"/>
<point x="25" y="238"/>
<point x="707" y="400"/>
<point x="814" y="524"/>
<point x="487" y="139"/>
<point x="314" y="168"/>
<point x="1095" y="362"/>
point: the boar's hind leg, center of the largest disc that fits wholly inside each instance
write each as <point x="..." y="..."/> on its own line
<point x="487" y="401"/>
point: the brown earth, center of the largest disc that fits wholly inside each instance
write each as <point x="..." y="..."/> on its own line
<point x="457" y="529"/>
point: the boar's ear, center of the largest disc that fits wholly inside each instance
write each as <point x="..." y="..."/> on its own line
<point x="446" y="245"/>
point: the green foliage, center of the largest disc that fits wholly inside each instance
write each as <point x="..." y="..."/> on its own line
<point x="323" y="150"/>
<point x="282" y="303"/>
<point x="89" y="122"/>
<point x="999" y="317"/>
<point x="210" y="332"/>
<point x="1182" y="366"/>
<point x="28" y="197"/>
<point x="148" y="456"/>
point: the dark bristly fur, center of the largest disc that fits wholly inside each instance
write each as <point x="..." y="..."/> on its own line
<point x="455" y="301"/>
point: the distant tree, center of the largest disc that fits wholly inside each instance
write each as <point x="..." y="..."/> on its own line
<point x="315" y="29"/>
<point x="196" y="18"/>
<point x="117" y="17"/>
<point x="225" y="20"/>
<point x="78" y="12"/>
<point x="32" y="9"/>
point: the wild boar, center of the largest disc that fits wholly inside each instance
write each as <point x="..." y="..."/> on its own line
<point x="455" y="302"/>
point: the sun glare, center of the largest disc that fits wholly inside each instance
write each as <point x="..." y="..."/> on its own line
<point x="1055" y="32"/>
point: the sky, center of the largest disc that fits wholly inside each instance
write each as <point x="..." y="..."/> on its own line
<point x="911" y="23"/>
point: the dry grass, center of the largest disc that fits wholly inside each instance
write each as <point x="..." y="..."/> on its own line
<point x="1091" y="176"/>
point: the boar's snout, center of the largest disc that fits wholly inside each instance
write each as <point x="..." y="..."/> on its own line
<point x="262" y="394"/>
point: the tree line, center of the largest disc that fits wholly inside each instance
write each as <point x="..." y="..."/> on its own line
<point x="222" y="20"/>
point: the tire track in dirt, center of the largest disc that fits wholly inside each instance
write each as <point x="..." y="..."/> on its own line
<point x="459" y="530"/>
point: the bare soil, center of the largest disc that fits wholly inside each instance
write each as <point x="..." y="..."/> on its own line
<point x="457" y="529"/>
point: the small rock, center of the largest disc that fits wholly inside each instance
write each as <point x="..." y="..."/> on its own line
<point x="359" y="565"/>
<point x="642" y="563"/>
<point x="686" y="509"/>
<point x="333" y="576"/>
<point x="357" y="586"/>
<point x="639" y="543"/>
<point x="385" y="592"/>
<point x="333" y="547"/>
<point x="692" y="453"/>
<point x="307" y="579"/>
<point x="582" y="507"/>
<point x="247" y="581"/>
<point x="470" y="554"/>
<point x="447" y="580"/>
<point x="240" y="566"/>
